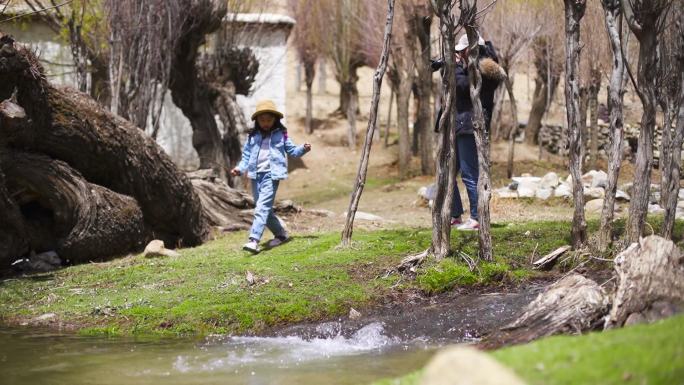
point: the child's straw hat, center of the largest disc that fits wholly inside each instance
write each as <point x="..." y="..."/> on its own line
<point x="266" y="105"/>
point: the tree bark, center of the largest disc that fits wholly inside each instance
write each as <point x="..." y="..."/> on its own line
<point x="670" y="188"/>
<point x="189" y="92"/>
<point x="81" y="221"/>
<point x="446" y="147"/>
<point x="594" y="87"/>
<point x="611" y="9"/>
<point x="574" y="11"/>
<point x="403" y="95"/>
<point x="650" y="270"/>
<point x="647" y="36"/>
<point x="224" y="103"/>
<point x="106" y="149"/>
<point x="480" y="129"/>
<point x="372" y="124"/>
<point x="514" y="129"/>
<point x="424" y="93"/>
<point x="349" y="93"/>
<point x="351" y="117"/>
<point x="309" y="73"/>
<point x="536" y="112"/>
<point x="389" y="119"/>
<point x="571" y="305"/>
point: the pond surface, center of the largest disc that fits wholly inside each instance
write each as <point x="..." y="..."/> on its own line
<point x="394" y="342"/>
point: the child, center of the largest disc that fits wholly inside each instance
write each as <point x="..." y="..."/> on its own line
<point x="264" y="158"/>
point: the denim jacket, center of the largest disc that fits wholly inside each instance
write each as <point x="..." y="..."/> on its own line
<point x="281" y="146"/>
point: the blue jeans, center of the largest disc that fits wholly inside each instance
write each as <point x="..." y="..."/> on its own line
<point x="264" y="190"/>
<point x="466" y="156"/>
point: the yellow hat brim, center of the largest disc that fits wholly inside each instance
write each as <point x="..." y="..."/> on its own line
<point x="274" y="112"/>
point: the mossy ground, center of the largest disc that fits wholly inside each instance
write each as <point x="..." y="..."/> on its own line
<point x="205" y="290"/>
<point x="642" y="354"/>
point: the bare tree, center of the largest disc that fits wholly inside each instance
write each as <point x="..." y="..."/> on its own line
<point x="549" y="67"/>
<point x="421" y="19"/>
<point x="83" y="24"/>
<point x="446" y="147"/>
<point x="372" y="124"/>
<point x="514" y="27"/>
<point x="574" y="11"/>
<point x="670" y="96"/>
<point x="646" y="20"/>
<point x="612" y="15"/>
<point x="481" y="131"/>
<point x="307" y="40"/>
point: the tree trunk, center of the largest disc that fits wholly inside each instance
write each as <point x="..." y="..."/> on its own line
<point x="649" y="271"/>
<point x="310" y="73"/>
<point x="536" y="112"/>
<point x="349" y="94"/>
<point x="424" y="93"/>
<point x="403" y="96"/>
<point x="482" y="135"/>
<point x="389" y="118"/>
<point x="351" y="118"/>
<point x="372" y="124"/>
<point x="514" y="129"/>
<point x="670" y="186"/>
<point x="573" y="304"/>
<point x="583" y="108"/>
<point x="189" y="92"/>
<point x="446" y="148"/>
<point x="611" y="11"/>
<point x="81" y="221"/>
<point x="233" y="120"/>
<point x="594" y="87"/>
<point x="496" y="112"/>
<point x="574" y="11"/>
<point x="105" y="149"/>
<point x="644" y="157"/>
<point x="14" y="241"/>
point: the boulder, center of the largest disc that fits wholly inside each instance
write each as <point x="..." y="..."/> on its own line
<point x="563" y="190"/>
<point x="526" y="191"/>
<point x="156" y="249"/>
<point x="600" y="179"/>
<point x="594" y="206"/>
<point x="462" y="365"/>
<point x="505" y="192"/>
<point x="594" y="193"/>
<point x="544" y="193"/>
<point x="549" y="181"/>
<point x="655" y="209"/>
<point x="622" y="196"/>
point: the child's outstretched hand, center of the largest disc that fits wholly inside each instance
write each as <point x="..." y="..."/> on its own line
<point x="307" y="147"/>
<point x="235" y="172"/>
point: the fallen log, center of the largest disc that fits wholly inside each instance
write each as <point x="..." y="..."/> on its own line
<point x="571" y="305"/>
<point x="64" y="212"/>
<point x="650" y="275"/>
<point x="105" y="149"/>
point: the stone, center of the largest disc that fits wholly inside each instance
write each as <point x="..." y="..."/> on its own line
<point x="622" y="196"/>
<point x="600" y="179"/>
<point x="45" y="317"/>
<point x="363" y="216"/>
<point x="526" y="192"/>
<point x="544" y="193"/>
<point x="354" y="314"/>
<point x="594" y="193"/>
<point x="156" y="249"/>
<point x="563" y="191"/>
<point x="506" y="193"/>
<point x="464" y="365"/>
<point x="655" y="209"/>
<point x="680" y="195"/>
<point x="594" y="206"/>
<point x="526" y="179"/>
<point x="549" y="181"/>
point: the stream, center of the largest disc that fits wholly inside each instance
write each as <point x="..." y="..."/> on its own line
<point x="395" y="341"/>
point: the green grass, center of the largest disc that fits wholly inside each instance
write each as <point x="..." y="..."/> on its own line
<point x="643" y="354"/>
<point x="205" y="291"/>
<point x="311" y="278"/>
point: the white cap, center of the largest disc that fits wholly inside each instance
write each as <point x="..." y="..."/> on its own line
<point x="463" y="42"/>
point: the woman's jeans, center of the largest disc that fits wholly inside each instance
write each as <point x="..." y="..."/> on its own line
<point x="466" y="155"/>
<point x="264" y="190"/>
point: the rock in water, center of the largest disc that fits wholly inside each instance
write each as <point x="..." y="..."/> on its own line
<point x="462" y="365"/>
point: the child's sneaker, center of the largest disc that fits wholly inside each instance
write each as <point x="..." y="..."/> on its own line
<point x="278" y="240"/>
<point x="469" y="225"/>
<point x="456" y="221"/>
<point x="252" y="246"/>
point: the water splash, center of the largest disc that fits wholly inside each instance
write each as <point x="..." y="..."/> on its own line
<point x="288" y="351"/>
